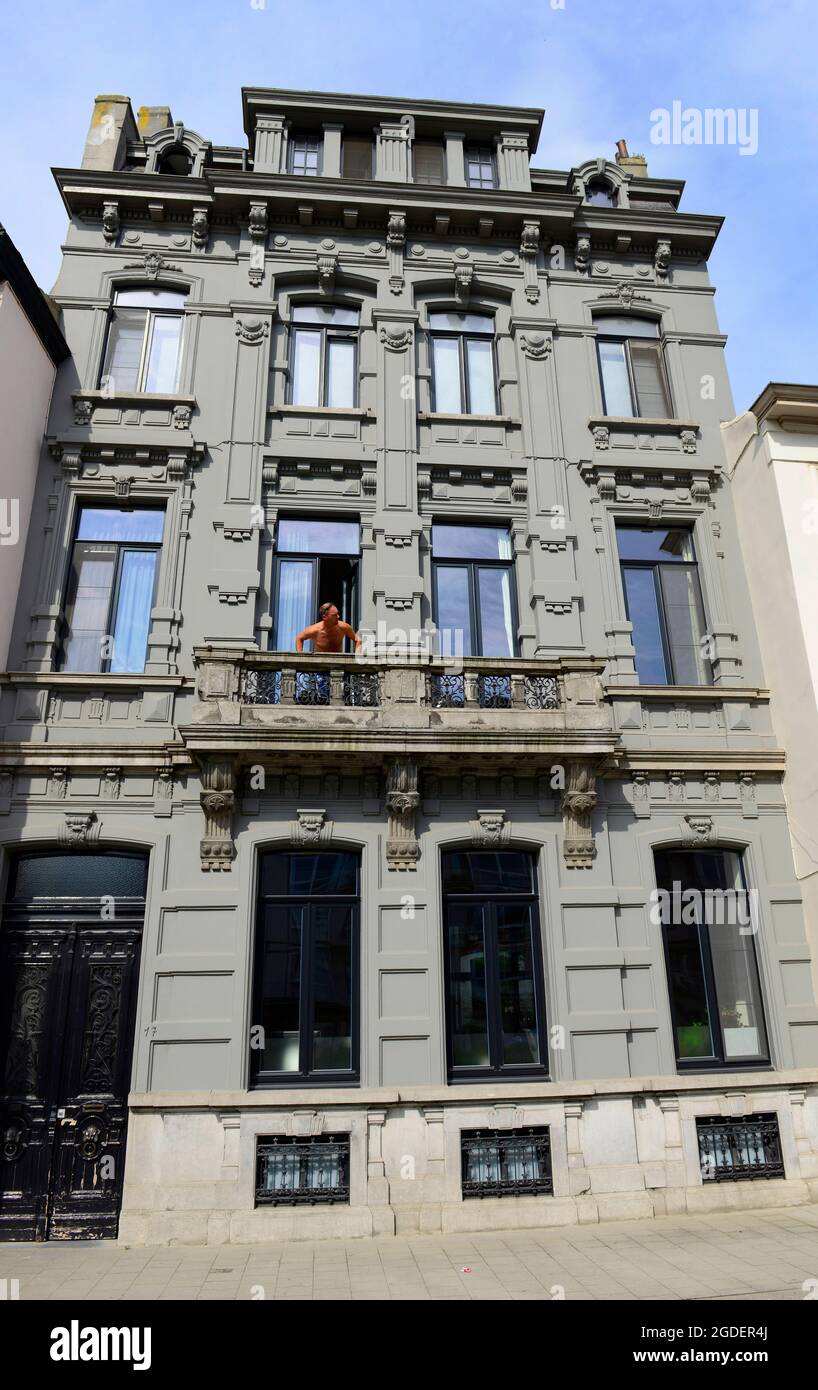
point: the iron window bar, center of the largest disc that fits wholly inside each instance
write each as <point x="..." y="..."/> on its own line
<point x="302" y="1172"/>
<point x="745" y="1148"/>
<point x="506" y="1163"/>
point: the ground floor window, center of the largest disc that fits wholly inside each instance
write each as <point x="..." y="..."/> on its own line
<point x="496" y="1015"/>
<point x="709" y="921"/>
<point x="306" y="995"/>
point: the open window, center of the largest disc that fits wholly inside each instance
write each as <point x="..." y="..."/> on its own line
<point x="317" y="561"/>
<point x="631" y="368"/>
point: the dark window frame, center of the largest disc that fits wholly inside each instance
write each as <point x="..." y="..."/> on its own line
<point x="463" y="336"/>
<point x="344" y="332"/>
<point x="481" y="154"/>
<point x="513" y="1072"/>
<point x="260" y="1079"/>
<point x="151" y="315"/>
<point x="655" y="566"/>
<point x="601" y="185"/>
<point x="304" y="139"/>
<point x="717" y="1063"/>
<point x="625" y="341"/>
<point x="73" y="571"/>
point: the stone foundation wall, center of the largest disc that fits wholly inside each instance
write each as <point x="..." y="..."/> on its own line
<point x="619" y="1151"/>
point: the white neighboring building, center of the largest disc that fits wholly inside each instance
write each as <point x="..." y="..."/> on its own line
<point x="772" y="460"/>
<point x="31" y="348"/>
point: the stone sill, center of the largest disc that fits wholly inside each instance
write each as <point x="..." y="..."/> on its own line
<point x="635" y="424"/>
<point x="674" y="693"/>
<point x="143" y="398"/>
<point x="357" y="412"/>
<point x="468" y="1094"/>
<point x="458" y="418"/>
<point x="91" y="681"/>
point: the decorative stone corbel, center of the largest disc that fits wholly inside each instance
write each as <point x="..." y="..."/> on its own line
<point x="529" y="250"/>
<point x="83" y="410"/>
<point x="578" y="801"/>
<point x="57" y="783"/>
<point x="490" y="829"/>
<point x="327" y="266"/>
<point x="79" y="829"/>
<point x="536" y="345"/>
<point x="402" y="801"/>
<point x="698" y="830"/>
<point x="257" y="227"/>
<point x="396" y="246"/>
<point x="661" y="260"/>
<point x="110" y="222"/>
<point x="582" y="255"/>
<point x="463" y="276"/>
<point x="688" y="441"/>
<point x="111" y="783"/>
<point x="602" y="437"/>
<point x="201" y="228"/>
<point x="218" y="799"/>
<point x="640" y="784"/>
<point x="311" y="827"/>
<point x="747" y="792"/>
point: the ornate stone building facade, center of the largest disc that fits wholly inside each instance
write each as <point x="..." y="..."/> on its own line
<point x="343" y="942"/>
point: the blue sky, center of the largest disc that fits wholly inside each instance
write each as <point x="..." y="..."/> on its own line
<point x="599" y="67"/>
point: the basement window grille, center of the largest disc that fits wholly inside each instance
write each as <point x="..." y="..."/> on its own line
<point x="506" y="1163"/>
<point x="302" y="1172"/>
<point x="740" y="1149"/>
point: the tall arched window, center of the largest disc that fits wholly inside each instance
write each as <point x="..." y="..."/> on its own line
<point x="494" y="973"/>
<point x="143" y="350"/>
<point x="324" y="355"/>
<point x="306" y="985"/>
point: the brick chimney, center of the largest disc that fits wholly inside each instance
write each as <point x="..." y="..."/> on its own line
<point x="150" y="119"/>
<point x="112" y="126"/>
<point x="634" y="164"/>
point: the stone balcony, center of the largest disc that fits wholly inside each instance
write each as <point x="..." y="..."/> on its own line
<point x="250" y="700"/>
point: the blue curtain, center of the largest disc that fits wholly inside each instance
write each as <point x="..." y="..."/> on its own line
<point x="133" y="610"/>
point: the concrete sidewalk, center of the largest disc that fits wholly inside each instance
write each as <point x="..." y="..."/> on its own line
<point x="771" y="1254"/>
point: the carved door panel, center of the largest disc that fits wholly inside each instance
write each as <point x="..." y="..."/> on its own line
<point x="35" y="973"/>
<point x="92" y="1116"/>
<point x="67" y="1037"/>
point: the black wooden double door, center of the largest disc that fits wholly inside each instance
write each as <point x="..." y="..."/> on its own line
<point x="68" y="986"/>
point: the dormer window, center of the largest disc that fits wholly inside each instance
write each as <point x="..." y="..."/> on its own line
<point x="427" y="162"/>
<point x="600" y="194"/>
<point x="357" y="158"/>
<point x="175" y="160"/>
<point x="144" y="341"/>
<point x="304" y="155"/>
<point x="481" y="171"/>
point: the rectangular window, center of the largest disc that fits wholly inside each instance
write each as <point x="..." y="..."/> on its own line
<point x="427" y="162"/>
<point x="631" y="368"/>
<point x="664" y="603"/>
<point x="144" y="342"/>
<point x="317" y="562"/>
<point x="493" y="966"/>
<point x="731" y="1150"/>
<point x="473" y="590"/>
<point x="307" y="968"/>
<point x="111" y="587"/>
<point x="324" y="356"/>
<point x="463" y="372"/>
<point x="480" y="166"/>
<point x="708" y="928"/>
<point x="304" y="155"/>
<point x="506" y="1163"/>
<point x="295" y="1172"/>
<point x="357" y="158"/>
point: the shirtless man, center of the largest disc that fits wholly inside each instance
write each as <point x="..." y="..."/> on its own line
<point x="327" y="635"/>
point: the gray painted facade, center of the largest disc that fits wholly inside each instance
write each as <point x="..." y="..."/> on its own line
<point x="169" y="760"/>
